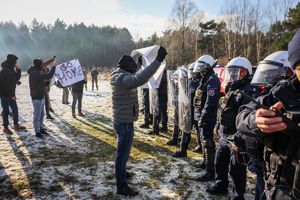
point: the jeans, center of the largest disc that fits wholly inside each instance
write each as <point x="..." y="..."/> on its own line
<point x="125" y="134"/>
<point x="7" y="102"/>
<point x="38" y="114"/>
<point x="77" y="97"/>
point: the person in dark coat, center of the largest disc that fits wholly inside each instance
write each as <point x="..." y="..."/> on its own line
<point x="278" y="123"/>
<point x="37" y="80"/>
<point x="163" y="107"/>
<point x="125" y="110"/>
<point x="9" y="76"/>
<point x="94" y="75"/>
<point x="48" y="107"/>
<point x="77" y="92"/>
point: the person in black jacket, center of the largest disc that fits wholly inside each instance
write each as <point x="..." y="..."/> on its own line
<point x="9" y="76"/>
<point x="37" y="80"/>
<point x="77" y="92"/>
<point x="48" y="107"/>
<point x="94" y="75"/>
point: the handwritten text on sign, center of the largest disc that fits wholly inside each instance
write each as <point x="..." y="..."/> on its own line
<point x="69" y="73"/>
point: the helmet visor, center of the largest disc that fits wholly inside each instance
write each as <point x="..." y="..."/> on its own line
<point x="268" y="74"/>
<point x="199" y="66"/>
<point x="232" y="74"/>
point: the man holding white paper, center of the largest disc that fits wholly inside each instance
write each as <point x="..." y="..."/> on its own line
<point x="124" y="82"/>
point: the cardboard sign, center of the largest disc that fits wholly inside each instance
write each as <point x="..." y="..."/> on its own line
<point x="69" y="73"/>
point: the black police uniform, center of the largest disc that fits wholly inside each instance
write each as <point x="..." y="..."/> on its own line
<point x="205" y="112"/>
<point x="163" y="106"/>
<point x="194" y="84"/>
<point x="282" y="149"/>
<point x="226" y="159"/>
<point x="148" y="118"/>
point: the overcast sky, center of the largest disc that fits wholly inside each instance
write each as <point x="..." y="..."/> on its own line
<point x="141" y="17"/>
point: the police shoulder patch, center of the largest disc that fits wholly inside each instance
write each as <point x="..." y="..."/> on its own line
<point x="211" y="93"/>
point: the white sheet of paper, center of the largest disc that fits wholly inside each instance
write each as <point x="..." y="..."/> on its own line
<point x="149" y="54"/>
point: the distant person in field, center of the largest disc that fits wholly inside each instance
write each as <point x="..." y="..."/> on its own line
<point x="9" y="77"/>
<point x="77" y="92"/>
<point x="94" y="75"/>
<point x="37" y="79"/>
<point x="124" y="82"/>
<point x="65" y="97"/>
<point x="85" y="73"/>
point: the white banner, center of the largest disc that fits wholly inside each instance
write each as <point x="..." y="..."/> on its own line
<point x="69" y="73"/>
<point x="149" y="54"/>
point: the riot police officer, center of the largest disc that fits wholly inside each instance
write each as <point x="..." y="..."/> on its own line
<point x="267" y="75"/>
<point x="194" y="81"/>
<point x="184" y="112"/>
<point x="173" y="99"/>
<point x="205" y="110"/>
<point x="230" y="152"/>
<point x="277" y="120"/>
<point x="160" y="115"/>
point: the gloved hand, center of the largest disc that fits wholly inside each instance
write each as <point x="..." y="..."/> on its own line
<point x="161" y="54"/>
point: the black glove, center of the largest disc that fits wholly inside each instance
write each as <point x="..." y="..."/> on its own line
<point x="19" y="82"/>
<point x="161" y="54"/>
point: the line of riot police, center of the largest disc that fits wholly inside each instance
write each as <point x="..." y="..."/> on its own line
<point x="249" y="136"/>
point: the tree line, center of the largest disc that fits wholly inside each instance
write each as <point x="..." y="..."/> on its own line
<point x="92" y="45"/>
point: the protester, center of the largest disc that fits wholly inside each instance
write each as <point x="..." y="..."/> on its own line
<point x="48" y="107"/>
<point x="124" y="83"/>
<point x="77" y="92"/>
<point x="37" y="92"/>
<point x="94" y="75"/>
<point x="9" y="76"/>
<point x="65" y="97"/>
<point x="278" y="124"/>
<point x="85" y="72"/>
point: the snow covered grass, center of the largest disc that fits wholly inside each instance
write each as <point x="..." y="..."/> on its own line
<point x="76" y="160"/>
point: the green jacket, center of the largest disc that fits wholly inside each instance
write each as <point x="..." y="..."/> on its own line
<point x="125" y="107"/>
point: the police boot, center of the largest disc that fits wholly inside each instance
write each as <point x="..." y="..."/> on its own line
<point x="209" y="151"/>
<point x="146" y="120"/>
<point x="175" y="135"/>
<point x="185" y="140"/>
<point x="198" y="148"/>
<point x="155" y="130"/>
<point x="150" y="119"/>
<point x="217" y="190"/>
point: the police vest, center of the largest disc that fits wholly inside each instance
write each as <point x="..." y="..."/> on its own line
<point x="201" y="95"/>
<point x="282" y="150"/>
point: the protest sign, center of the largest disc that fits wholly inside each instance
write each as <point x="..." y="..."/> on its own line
<point x="149" y="54"/>
<point x="69" y="73"/>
